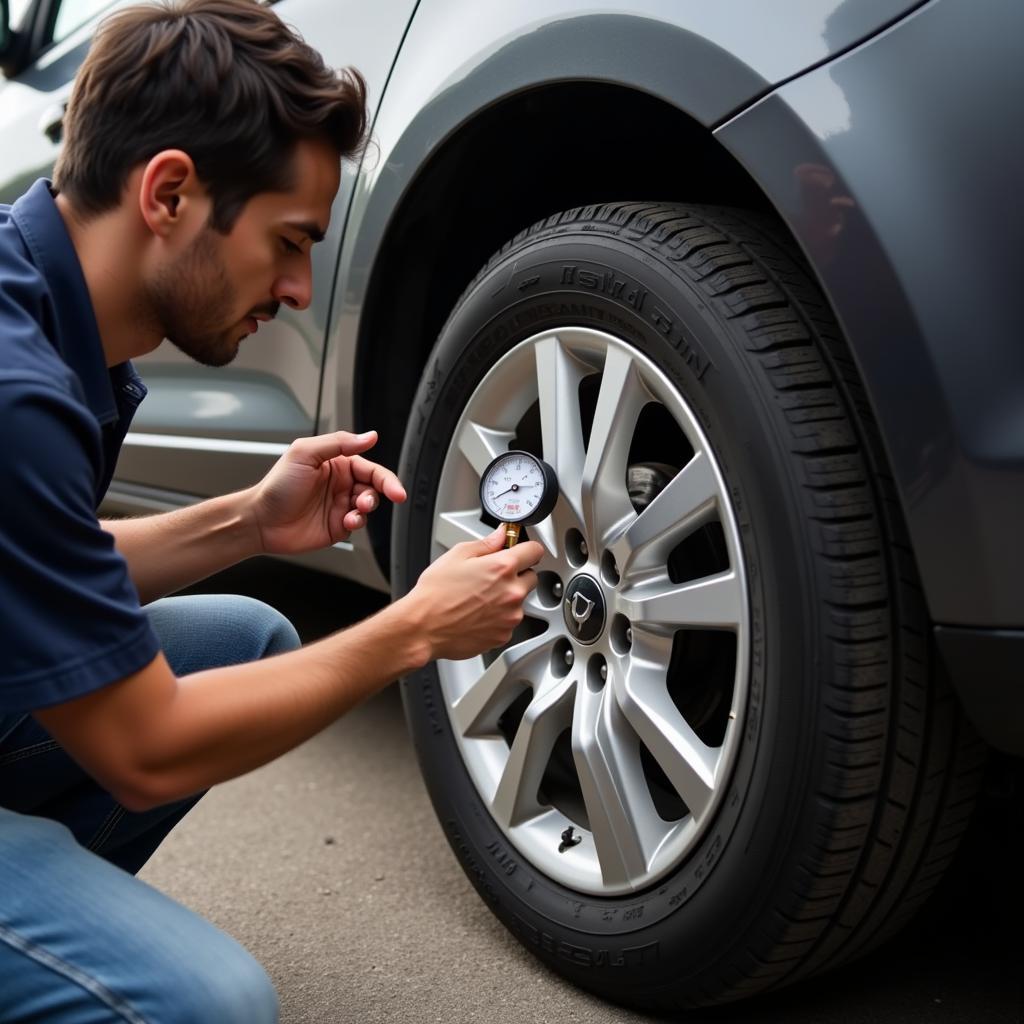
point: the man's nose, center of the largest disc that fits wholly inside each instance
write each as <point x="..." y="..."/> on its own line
<point x="295" y="290"/>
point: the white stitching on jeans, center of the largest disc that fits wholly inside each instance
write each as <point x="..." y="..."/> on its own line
<point x="108" y="826"/>
<point x="72" y="973"/>
<point x="43" y="747"/>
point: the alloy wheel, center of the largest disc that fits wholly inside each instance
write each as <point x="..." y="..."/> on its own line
<point x="601" y="738"/>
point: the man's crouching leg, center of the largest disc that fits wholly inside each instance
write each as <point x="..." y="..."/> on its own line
<point x="81" y="941"/>
<point x="196" y="632"/>
<point x="201" y="631"/>
<point x="37" y="777"/>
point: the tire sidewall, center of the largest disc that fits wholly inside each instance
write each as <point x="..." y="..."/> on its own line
<point x="701" y="911"/>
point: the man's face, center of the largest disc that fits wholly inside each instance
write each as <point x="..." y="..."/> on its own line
<point x="214" y="293"/>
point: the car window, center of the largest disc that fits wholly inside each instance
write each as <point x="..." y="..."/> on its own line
<point x="17" y="9"/>
<point x="73" y="13"/>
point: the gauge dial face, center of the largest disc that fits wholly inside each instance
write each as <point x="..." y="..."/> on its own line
<point x="514" y="487"/>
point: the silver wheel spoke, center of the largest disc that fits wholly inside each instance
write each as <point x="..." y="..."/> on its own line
<point x="535" y="610"/>
<point x="606" y="504"/>
<point x="714" y="602"/>
<point x="548" y="715"/>
<point x="477" y="711"/>
<point x="452" y="528"/>
<point x="687" y="503"/>
<point x="622" y="817"/>
<point x="481" y="445"/>
<point x="685" y="759"/>
<point x="600" y="829"/>
<point x="558" y="391"/>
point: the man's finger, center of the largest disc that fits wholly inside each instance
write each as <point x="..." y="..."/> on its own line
<point x="382" y="480"/>
<point x="329" y="446"/>
<point x="493" y="542"/>
<point x="353" y="520"/>
<point x="530" y="580"/>
<point x="526" y="554"/>
<point x="365" y="498"/>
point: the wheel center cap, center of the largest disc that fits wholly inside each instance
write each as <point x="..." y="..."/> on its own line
<point x="584" y="609"/>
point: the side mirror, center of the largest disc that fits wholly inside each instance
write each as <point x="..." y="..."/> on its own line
<point x="5" y="28"/>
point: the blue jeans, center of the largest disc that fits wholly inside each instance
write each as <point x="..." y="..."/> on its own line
<point x="81" y="940"/>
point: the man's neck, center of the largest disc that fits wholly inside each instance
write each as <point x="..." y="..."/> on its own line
<point x="104" y="250"/>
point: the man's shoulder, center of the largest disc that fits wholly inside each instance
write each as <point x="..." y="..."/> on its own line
<point x="55" y="433"/>
<point x="25" y="347"/>
<point x="16" y="261"/>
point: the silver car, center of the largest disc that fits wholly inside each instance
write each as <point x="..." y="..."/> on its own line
<point x="744" y="274"/>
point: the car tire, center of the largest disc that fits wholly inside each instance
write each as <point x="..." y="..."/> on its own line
<point x="834" y="772"/>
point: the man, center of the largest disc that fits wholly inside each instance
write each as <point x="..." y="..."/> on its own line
<point x="202" y="155"/>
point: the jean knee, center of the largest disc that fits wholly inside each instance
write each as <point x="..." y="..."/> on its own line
<point x="229" y="987"/>
<point x="264" y="628"/>
<point x="281" y="634"/>
<point x="268" y="630"/>
<point x="202" y="631"/>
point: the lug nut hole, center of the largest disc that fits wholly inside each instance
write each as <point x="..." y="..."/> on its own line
<point x="621" y="635"/>
<point x="576" y="548"/>
<point x="609" y="570"/>
<point x="549" y="589"/>
<point x="562" y="658"/>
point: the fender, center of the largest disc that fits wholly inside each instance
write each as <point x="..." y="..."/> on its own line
<point x="893" y="166"/>
<point x="460" y="56"/>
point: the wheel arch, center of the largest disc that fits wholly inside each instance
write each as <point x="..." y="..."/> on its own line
<point x="448" y="224"/>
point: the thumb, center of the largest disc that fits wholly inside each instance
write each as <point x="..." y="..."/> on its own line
<point x="329" y="446"/>
<point x="487" y="545"/>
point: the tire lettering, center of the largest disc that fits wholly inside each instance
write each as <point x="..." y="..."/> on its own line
<point x="433" y="713"/>
<point x="477" y="875"/>
<point x="507" y="864"/>
<point x="584" y="956"/>
<point x="679" y="897"/>
<point x="661" y="322"/>
<point x="608" y="283"/>
<point x="696" y="361"/>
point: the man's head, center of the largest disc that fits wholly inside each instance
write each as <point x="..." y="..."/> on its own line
<point x="220" y="133"/>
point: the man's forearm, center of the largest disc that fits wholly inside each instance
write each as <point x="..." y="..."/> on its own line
<point x="153" y="739"/>
<point x="169" y="551"/>
<point x="226" y="721"/>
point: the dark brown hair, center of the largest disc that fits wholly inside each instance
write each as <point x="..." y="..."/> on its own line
<point x="226" y="81"/>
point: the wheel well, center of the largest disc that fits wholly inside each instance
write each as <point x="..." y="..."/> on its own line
<point x="535" y="154"/>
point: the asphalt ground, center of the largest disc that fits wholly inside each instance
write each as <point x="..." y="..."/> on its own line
<point x="328" y="865"/>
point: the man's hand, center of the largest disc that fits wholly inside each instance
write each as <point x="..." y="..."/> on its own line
<point x="319" y="491"/>
<point x="471" y="599"/>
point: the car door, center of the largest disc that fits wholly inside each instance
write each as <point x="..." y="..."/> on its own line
<point x="55" y="36"/>
<point x="202" y="431"/>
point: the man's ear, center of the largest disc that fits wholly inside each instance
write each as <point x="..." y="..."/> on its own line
<point x="170" y="194"/>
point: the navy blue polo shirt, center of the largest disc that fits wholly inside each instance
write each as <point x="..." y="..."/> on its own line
<point x="70" y="620"/>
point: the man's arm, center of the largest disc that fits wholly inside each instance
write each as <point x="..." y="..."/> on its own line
<point x="169" y="551"/>
<point x="152" y="738"/>
<point x="315" y="495"/>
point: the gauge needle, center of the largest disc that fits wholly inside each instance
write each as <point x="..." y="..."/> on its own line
<point x="514" y="487"/>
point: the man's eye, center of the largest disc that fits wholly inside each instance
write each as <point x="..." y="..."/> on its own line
<point x="290" y="246"/>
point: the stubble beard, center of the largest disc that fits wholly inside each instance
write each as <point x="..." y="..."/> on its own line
<point x="189" y="301"/>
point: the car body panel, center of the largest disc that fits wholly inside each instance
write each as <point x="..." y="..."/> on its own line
<point x="460" y="57"/>
<point x="881" y="131"/>
<point x="885" y="189"/>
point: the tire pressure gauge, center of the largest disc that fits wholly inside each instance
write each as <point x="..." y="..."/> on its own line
<point x="517" y="488"/>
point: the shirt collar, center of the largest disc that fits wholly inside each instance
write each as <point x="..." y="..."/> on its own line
<point x="77" y="333"/>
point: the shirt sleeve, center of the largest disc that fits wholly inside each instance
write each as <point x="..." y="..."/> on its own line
<point x="71" y="621"/>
